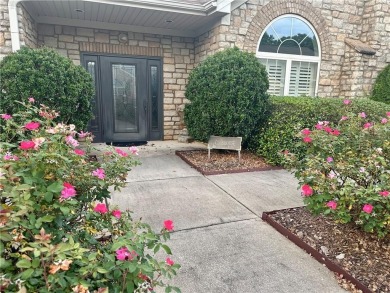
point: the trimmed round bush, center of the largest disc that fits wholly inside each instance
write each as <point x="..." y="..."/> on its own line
<point x="381" y="89"/>
<point x="51" y="80"/>
<point x="289" y="115"/>
<point x="228" y="96"/>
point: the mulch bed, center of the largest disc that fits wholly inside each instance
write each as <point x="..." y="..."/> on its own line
<point x="223" y="162"/>
<point x="362" y="255"/>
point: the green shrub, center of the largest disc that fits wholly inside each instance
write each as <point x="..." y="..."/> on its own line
<point x="228" y="96"/>
<point x="51" y="80"/>
<point x="381" y="89"/>
<point x="344" y="173"/>
<point x="58" y="233"/>
<point x="291" y="114"/>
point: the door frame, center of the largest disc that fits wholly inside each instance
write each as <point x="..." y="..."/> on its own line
<point x="152" y="133"/>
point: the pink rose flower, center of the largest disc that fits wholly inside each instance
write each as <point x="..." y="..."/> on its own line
<point x="68" y="191"/>
<point x="121" y="153"/>
<point x="100" y="208"/>
<point x="27" y="145"/>
<point x="362" y="115"/>
<point x="328" y="129"/>
<point x="335" y="132"/>
<point x="31" y="99"/>
<point x="117" y="214"/>
<point x="133" y="150"/>
<point x="329" y="159"/>
<point x="10" y="157"/>
<point x="79" y="152"/>
<point x="384" y="121"/>
<point x="332" y="174"/>
<point x="169" y="262"/>
<point x="123" y="254"/>
<point x="343" y="118"/>
<point x="367" y="125"/>
<point x="6" y="116"/>
<point x="71" y="141"/>
<point x="367" y="208"/>
<point x="332" y="204"/>
<point x="384" y="193"/>
<point x="307" y="139"/>
<point x="38" y="142"/>
<point x="306" y="132"/>
<point x="319" y="126"/>
<point x="168" y="224"/>
<point x="388" y="114"/>
<point x="347" y="102"/>
<point x="307" y="190"/>
<point x="32" y="125"/>
<point x="99" y="173"/>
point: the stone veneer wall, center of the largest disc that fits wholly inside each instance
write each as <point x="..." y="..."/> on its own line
<point x="343" y="72"/>
<point x="27" y="29"/>
<point x="177" y="54"/>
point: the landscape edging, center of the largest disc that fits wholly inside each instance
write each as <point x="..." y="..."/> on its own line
<point x="311" y="251"/>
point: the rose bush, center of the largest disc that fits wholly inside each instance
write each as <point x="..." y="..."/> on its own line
<point x="57" y="230"/>
<point x="346" y="170"/>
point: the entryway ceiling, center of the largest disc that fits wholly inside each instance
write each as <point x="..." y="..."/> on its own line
<point x="188" y="18"/>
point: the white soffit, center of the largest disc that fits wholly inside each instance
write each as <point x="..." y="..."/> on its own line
<point x="187" y="18"/>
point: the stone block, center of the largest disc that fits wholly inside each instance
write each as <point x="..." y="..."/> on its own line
<point x="102" y="38"/>
<point x="74" y="46"/>
<point x="66" y="38"/>
<point x="169" y="68"/>
<point x="50" y="42"/>
<point x="46" y="29"/>
<point x="85" y="32"/>
<point x="185" y="139"/>
<point x="69" y="30"/>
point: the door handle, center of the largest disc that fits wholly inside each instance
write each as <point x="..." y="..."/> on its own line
<point x="145" y="106"/>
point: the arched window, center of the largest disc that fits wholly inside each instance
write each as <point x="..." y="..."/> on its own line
<point x="290" y="51"/>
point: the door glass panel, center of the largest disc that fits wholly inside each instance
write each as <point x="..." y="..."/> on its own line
<point x="94" y="126"/>
<point x="154" y="93"/>
<point x="125" y="98"/>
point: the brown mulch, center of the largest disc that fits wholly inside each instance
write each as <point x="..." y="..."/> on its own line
<point x="361" y="254"/>
<point x="224" y="161"/>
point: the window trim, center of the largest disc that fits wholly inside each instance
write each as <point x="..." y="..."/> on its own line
<point x="289" y="57"/>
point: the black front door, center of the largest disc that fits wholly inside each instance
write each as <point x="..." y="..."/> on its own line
<point x="127" y="105"/>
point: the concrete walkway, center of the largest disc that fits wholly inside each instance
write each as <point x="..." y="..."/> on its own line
<point x="219" y="238"/>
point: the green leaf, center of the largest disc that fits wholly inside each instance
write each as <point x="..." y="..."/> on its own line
<point x="117" y="274"/>
<point x="48" y="197"/>
<point x="23" y="264"/>
<point x="47" y="219"/>
<point x="65" y="210"/>
<point x="101" y="270"/>
<point x="130" y="286"/>
<point x="26" y="274"/>
<point x="35" y="263"/>
<point x="55" y="187"/>
<point x="92" y="256"/>
<point x="166" y="248"/>
<point x="24" y="187"/>
<point x="5" y="237"/>
<point x="4" y="263"/>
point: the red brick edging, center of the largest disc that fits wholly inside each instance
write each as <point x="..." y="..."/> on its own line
<point x="310" y="250"/>
<point x="200" y="170"/>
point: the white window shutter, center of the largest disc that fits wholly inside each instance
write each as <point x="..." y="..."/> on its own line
<point x="276" y="75"/>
